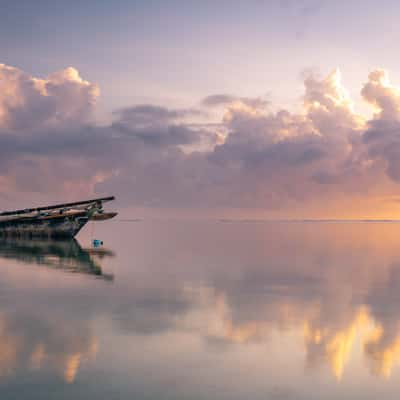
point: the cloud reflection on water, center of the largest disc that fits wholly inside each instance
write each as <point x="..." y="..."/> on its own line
<point x="31" y="339"/>
<point x="334" y="288"/>
<point x="333" y="284"/>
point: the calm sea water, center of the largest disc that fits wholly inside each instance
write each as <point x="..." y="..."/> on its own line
<point x="203" y="310"/>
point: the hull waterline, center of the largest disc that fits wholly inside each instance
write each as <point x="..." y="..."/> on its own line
<point x="50" y="228"/>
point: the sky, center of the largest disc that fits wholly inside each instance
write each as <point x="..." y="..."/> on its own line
<point x="249" y="109"/>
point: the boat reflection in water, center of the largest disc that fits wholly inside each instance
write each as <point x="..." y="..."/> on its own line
<point x="66" y="255"/>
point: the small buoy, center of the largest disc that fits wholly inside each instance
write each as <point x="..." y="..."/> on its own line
<point x="97" y="243"/>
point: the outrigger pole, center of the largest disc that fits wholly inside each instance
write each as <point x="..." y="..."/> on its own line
<point x="65" y="205"/>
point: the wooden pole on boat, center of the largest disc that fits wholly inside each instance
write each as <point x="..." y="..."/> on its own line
<point x="53" y="207"/>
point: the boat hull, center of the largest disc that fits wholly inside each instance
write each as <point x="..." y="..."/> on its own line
<point x="56" y="227"/>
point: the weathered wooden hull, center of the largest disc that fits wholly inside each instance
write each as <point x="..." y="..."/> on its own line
<point x="59" y="221"/>
<point x="54" y="227"/>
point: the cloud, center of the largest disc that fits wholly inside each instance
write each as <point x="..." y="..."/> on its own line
<point x="383" y="96"/>
<point x="329" y="106"/>
<point x="157" y="156"/>
<point x="28" y="103"/>
<point x="159" y="126"/>
<point x="381" y="137"/>
<point x="227" y="99"/>
<point x="147" y="114"/>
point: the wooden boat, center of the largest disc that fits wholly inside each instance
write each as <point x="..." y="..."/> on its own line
<point x="57" y="221"/>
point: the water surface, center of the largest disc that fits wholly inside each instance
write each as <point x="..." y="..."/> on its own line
<point x="203" y="310"/>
